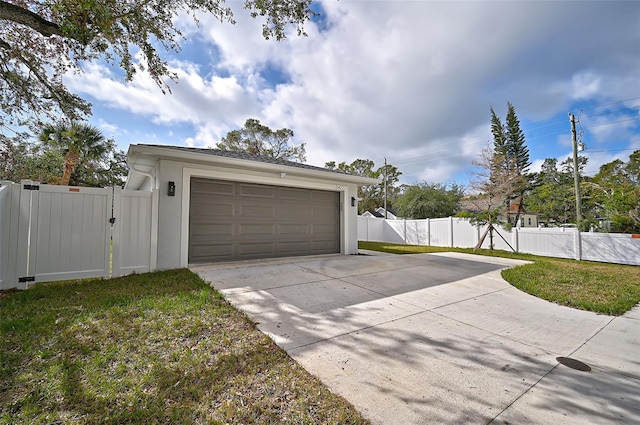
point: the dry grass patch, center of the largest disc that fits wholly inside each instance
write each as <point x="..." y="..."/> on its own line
<point x="153" y="348"/>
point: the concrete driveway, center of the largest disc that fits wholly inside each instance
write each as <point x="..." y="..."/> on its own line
<point x="439" y="338"/>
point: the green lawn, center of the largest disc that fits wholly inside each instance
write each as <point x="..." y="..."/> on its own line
<point x="150" y="348"/>
<point x="599" y="287"/>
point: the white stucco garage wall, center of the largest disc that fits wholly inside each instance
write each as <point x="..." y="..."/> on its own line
<point x="154" y="167"/>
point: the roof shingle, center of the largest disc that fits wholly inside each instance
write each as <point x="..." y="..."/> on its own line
<point x="246" y="156"/>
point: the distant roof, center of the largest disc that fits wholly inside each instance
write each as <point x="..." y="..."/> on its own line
<point x="481" y="204"/>
<point x="246" y="156"/>
<point x="389" y="209"/>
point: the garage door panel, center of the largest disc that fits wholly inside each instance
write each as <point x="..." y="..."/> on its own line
<point x="256" y="229"/>
<point x="212" y="187"/>
<point x="291" y="248"/>
<point x="257" y="191"/>
<point x="256" y="210"/>
<point x="295" y="230"/>
<point x="321" y="211"/>
<point x="324" y="229"/>
<point x="323" y="197"/>
<point x="323" y="220"/>
<point x="214" y="252"/>
<point x="294" y="194"/>
<point x="244" y="221"/>
<point x="324" y="247"/>
<point x="205" y="231"/>
<point x="251" y="249"/>
<point x="209" y="209"/>
<point x="296" y="213"/>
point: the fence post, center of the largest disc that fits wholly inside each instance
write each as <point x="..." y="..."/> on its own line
<point x="116" y="235"/>
<point x="405" y="231"/>
<point x="153" y="261"/>
<point x="577" y="245"/>
<point x="428" y="232"/>
<point x="23" y="252"/>
<point x="516" y="239"/>
<point x="367" y="228"/>
<point x="9" y="219"/>
<point x="451" y="229"/>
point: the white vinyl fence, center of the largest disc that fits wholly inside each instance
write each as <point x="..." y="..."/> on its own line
<point x="550" y="242"/>
<point x="50" y="232"/>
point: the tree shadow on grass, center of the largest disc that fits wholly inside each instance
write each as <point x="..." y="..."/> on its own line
<point x="164" y="349"/>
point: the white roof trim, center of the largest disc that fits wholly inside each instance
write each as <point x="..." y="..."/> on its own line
<point x="177" y="154"/>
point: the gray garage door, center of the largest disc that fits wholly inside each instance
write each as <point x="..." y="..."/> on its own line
<point x="237" y="221"/>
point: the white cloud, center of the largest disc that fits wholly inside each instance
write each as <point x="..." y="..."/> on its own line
<point x="585" y="85"/>
<point x="108" y="129"/>
<point x="536" y="165"/>
<point x="193" y="99"/>
<point x="397" y="79"/>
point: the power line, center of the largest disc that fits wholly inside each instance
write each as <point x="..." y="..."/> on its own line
<point x="545" y="126"/>
<point x="612" y="112"/>
<point x="613" y="150"/>
<point x="446" y="149"/>
<point x="585" y="109"/>
<point x="547" y="135"/>
<point x="442" y="148"/>
<point x="431" y="152"/>
<point x="430" y="160"/>
<point x="460" y="155"/>
<point x="613" y="122"/>
<point x="472" y="143"/>
<point x="542" y="120"/>
<point x="612" y="103"/>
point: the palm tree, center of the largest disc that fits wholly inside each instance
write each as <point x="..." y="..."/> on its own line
<point x="76" y="140"/>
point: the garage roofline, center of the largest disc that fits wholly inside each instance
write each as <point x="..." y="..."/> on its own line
<point x="214" y="156"/>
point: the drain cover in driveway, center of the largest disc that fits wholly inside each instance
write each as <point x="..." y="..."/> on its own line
<point x="574" y="364"/>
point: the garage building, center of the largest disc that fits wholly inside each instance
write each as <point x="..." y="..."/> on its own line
<point x="215" y="205"/>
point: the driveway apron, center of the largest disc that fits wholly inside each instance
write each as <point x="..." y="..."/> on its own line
<point x="439" y="338"/>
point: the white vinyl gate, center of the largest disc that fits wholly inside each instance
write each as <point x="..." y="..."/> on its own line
<point x="50" y="232"/>
<point x="135" y="242"/>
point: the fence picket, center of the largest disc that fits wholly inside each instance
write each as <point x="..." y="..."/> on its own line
<point x="9" y="226"/>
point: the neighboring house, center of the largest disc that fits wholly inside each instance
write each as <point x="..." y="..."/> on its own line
<point x="379" y="213"/>
<point x="479" y="205"/>
<point x="525" y="219"/>
<point x="373" y="214"/>
<point x="391" y="213"/>
<point x="528" y="220"/>
<point x="218" y="205"/>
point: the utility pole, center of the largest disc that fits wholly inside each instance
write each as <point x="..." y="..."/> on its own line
<point x="576" y="174"/>
<point x="385" y="188"/>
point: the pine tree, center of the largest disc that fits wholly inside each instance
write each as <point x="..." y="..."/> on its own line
<point x="511" y="155"/>
<point x="499" y="136"/>
<point x="516" y="148"/>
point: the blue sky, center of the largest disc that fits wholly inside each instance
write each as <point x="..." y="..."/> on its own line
<point x="411" y="81"/>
